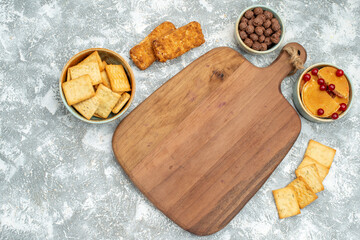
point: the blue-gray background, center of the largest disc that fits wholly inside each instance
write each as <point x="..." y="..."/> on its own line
<point x="58" y="176"/>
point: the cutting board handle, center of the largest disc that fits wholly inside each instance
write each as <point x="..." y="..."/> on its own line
<point x="282" y="65"/>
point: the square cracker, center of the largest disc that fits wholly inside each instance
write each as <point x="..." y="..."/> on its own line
<point x="90" y="68"/>
<point x="107" y="101"/>
<point x="105" y="79"/>
<point x="303" y="192"/>
<point x="95" y="115"/>
<point x="88" y="107"/>
<point x="310" y="175"/>
<point x="286" y="202"/>
<point x="121" y="103"/>
<point x="68" y="77"/>
<point x="78" y="90"/>
<point x="118" y="79"/>
<point x="94" y="57"/>
<point x="321" y="153"/>
<point x="323" y="171"/>
<point x="104" y="64"/>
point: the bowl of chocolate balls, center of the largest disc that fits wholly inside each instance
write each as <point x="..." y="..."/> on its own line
<point x="259" y="30"/>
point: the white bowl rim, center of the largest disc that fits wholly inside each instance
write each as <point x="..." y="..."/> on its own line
<point x="241" y="42"/>
<point x="323" y="64"/>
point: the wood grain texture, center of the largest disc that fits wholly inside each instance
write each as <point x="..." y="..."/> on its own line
<point x="203" y="144"/>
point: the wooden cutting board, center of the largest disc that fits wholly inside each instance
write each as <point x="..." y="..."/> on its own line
<point x="203" y="144"/>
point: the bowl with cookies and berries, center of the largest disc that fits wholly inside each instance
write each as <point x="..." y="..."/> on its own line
<point x="323" y="93"/>
<point x="259" y="30"/>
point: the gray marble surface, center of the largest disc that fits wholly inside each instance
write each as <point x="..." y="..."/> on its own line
<point x="58" y="176"/>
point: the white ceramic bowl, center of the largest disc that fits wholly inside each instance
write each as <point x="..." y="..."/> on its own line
<point x="304" y="111"/>
<point x="241" y="42"/>
<point x="110" y="57"/>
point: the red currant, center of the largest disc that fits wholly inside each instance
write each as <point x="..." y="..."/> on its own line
<point x="339" y="72"/>
<point x="343" y="106"/>
<point x="314" y="71"/>
<point x="320" y="111"/>
<point x="334" y="116"/>
<point x="306" y="77"/>
<point x="321" y="81"/>
<point x="322" y="87"/>
<point x="331" y="87"/>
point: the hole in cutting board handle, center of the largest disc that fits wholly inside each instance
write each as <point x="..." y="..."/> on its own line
<point x="299" y="53"/>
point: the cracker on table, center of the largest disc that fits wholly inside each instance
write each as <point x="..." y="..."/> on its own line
<point x="94" y="57"/>
<point x="107" y="100"/>
<point x="143" y="54"/>
<point x="118" y="78"/>
<point x="286" y="202"/>
<point x="303" y="192"/>
<point x="78" y="90"/>
<point x="88" y="107"/>
<point x="121" y="103"/>
<point x="178" y="42"/>
<point x="321" y="153"/>
<point x="90" y="68"/>
<point x="310" y="175"/>
<point x="323" y="171"/>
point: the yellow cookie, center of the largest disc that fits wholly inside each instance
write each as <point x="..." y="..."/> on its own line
<point x="310" y="175"/>
<point x="78" y="90"/>
<point x="107" y="101"/>
<point x="323" y="171"/>
<point x="118" y="79"/>
<point x="321" y="153"/>
<point x="286" y="202"/>
<point x="303" y="192"/>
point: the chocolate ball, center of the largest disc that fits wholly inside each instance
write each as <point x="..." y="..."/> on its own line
<point x="267" y="23"/>
<point x="250" y="29"/>
<point x="251" y="22"/>
<point x="268" y="32"/>
<point x="258" y="22"/>
<point x="248" y="42"/>
<point x="274" y="21"/>
<point x="244" y="19"/>
<point x="249" y="14"/>
<point x="278" y="32"/>
<point x="275" y="38"/>
<point x="263" y="47"/>
<point x="262" y="16"/>
<point x="259" y="30"/>
<point x="256" y="46"/>
<point x="275" y="27"/>
<point x="242" y="26"/>
<point x="254" y="37"/>
<point x="261" y="38"/>
<point x="243" y="35"/>
<point x="267" y="41"/>
<point x="258" y="10"/>
<point x="268" y="14"/>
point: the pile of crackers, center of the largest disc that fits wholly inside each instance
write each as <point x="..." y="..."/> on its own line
<point x="95" y="88"/>
<point x="166" y="42"/>
<point x="310" y="174"/>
